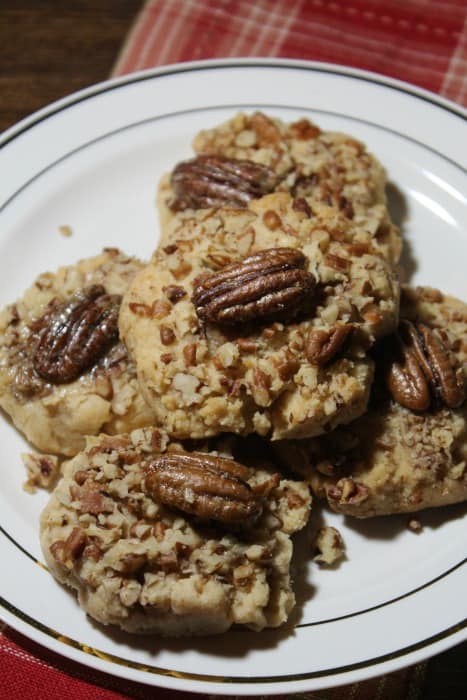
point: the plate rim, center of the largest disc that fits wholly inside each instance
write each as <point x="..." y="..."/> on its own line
<point x="231" y="685"/>
<point x="210" y="64"/>
<point x="29" y="122"/>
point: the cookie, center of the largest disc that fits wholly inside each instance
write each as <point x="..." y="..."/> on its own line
<point x="63" y="372"/>
<point x="252" y="155"/>
<point x="138" y="560"/>
<point x="401" y="457"/>
<point x="294" y="373"/>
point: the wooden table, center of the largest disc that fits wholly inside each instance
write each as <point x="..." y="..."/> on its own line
<point x="50" y="48"/>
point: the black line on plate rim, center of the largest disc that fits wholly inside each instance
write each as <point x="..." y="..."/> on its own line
<point x="378" y="606"/>
<point x="387" y="602"/>
<point x="20" y="547"/>
<point x="118" y="660"/>
<point x="212" y="108"/>
<point x="123" y="82"/>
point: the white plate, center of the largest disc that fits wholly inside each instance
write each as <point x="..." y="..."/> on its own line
<point x="92" y="161"/>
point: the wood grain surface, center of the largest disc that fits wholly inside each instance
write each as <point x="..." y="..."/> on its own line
<point x="51" y="48"/>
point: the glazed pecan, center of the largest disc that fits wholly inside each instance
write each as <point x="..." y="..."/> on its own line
<point x="422" y="371"/>
<point x="214" y="181"/>
<point x="323" y="345"/>
<point x="204" y="485"/>
<point x="76" y="334"/>
<point x="271" y="285"/>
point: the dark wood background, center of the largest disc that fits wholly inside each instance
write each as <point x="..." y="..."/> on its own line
<point x="51" y="48"/>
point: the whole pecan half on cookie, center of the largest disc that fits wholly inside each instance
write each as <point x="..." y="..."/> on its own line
<point x="204" y="485"/>
<point x="423" y="370"/>
<point x="270" y="285"/>
<point x="214" y="181"/>
<point x="76" y="334"/>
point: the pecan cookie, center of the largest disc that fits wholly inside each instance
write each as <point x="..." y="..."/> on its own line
<point x="157" y="539"/>
<point x="259" y="320"/>
<point x="252" y="155"/>
<point x="64" y="373"/>
<point x="409" y="451"/>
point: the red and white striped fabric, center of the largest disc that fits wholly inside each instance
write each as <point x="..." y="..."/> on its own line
<point x="30" y="672"/>
<point x="423" y="42"/>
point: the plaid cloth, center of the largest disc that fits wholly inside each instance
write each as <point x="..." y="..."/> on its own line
<point x="30" y="672"/>
<point x="420" y="41"/>
<point x="423" y="42"/>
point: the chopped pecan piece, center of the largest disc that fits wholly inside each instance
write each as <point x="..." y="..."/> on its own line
<point x="132" y="562"/>
<point x="166" y="334"/>
<point x="323" y="345"/>
<point x="189" y="354"/>
<point x="337" y="262"/>
<point x="348" y="491"/>
<point x="42" y="470"/>
<point x="76" y="334"/>
<point x="272" y="220"/>
<point x="266" y="130"/>
<point x="271" y="285"/>
<point x="422" y="370"/>
<point x="94" y="503"/>
<point x="68" y="551"/>
<point x="203" y="485"/>
<point x="301" y="205"/>
<point x="214" y="181"/>
<point x="329" y="546"/>
<point x="303" y="130"/>
<point x="140" y="309"/>
<point x="174" y="293"/>
<point x="288" y="368"/>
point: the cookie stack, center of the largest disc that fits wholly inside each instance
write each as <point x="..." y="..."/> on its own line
<point x="267" y="349"/>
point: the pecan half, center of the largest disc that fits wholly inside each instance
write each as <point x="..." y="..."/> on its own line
<point x="435" y="360"/>
<point x="272" y="285"/>
<point x="422" y="370"/>
<point x="214" y="181"/>
<point x="323" y="345"/>
<point x="76" y="334"/>
<point x="204" y="485"/>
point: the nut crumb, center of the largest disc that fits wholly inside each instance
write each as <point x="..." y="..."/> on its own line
<point x="66" y="231"/>
<point x="329" y="545"/>
<point x="415" y="525"/>
<point x="42" y="471"/>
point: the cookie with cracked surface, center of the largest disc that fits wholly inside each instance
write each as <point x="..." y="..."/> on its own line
<point x="149" y="566"/>
<point x="396" y="459"/>
<point x="292" y="375"/>
<point x="64" y="373"/>
<point x="254" y="154"/>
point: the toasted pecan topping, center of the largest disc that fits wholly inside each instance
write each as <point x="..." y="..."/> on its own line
<point x="270" y="285"/>
<point x="322" y="345"/>
<point x="421" y="370"/>
<point x="76" y="334"/>
<point x="213" y="181"/>
<point x="204" y="485"/>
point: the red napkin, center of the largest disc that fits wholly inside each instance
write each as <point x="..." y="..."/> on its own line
<point x="423" y="42"/>
<point x="30" y="672"/>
